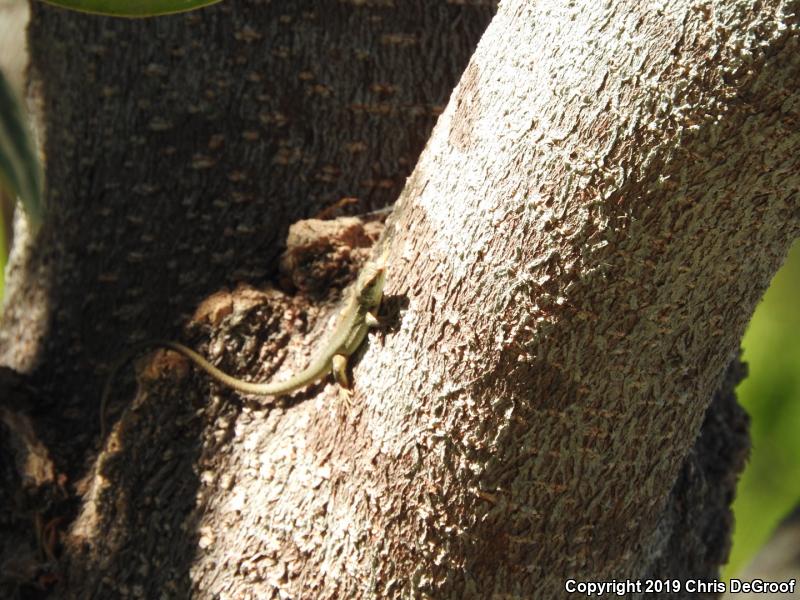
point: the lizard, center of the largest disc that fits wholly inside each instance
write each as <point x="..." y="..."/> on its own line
<point x="357" y="316"/>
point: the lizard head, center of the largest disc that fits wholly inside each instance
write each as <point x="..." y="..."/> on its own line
<point x="370" y="283"/>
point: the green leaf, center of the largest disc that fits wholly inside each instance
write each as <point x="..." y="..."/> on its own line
<point x="20" y="171"/>
<point x="132" y="8"/>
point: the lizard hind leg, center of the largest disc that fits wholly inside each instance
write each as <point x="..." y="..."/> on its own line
<point x="339" y="370"/>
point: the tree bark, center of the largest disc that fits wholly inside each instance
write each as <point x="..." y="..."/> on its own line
<point x="572" y="264"/>
<point x="180" y="149"/>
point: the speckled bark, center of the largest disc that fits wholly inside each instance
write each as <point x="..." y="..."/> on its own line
<point x="180" y="149"/>
<point x="586" y="253"/>
<point x="573" y="263"/>
<point x="692" y="537"/>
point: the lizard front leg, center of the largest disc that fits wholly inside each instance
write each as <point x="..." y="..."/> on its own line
<point x="371" y="320"/>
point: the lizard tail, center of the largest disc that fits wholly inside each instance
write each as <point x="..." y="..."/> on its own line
<point x="247" y="387"/>
<point x="193" y="356"/>
<point x="315" y="370"/>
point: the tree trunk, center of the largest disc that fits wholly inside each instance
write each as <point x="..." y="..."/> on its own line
<point x="571" y="266"/>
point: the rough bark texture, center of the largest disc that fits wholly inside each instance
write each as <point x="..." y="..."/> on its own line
<point x="573" y="263"/>
<point x="586" y="253"/>
<point x="180" y="149"/>
<point x="692" y="537"/>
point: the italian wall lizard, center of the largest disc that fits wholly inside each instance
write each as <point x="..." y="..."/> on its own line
<point x="355" y="319"/>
